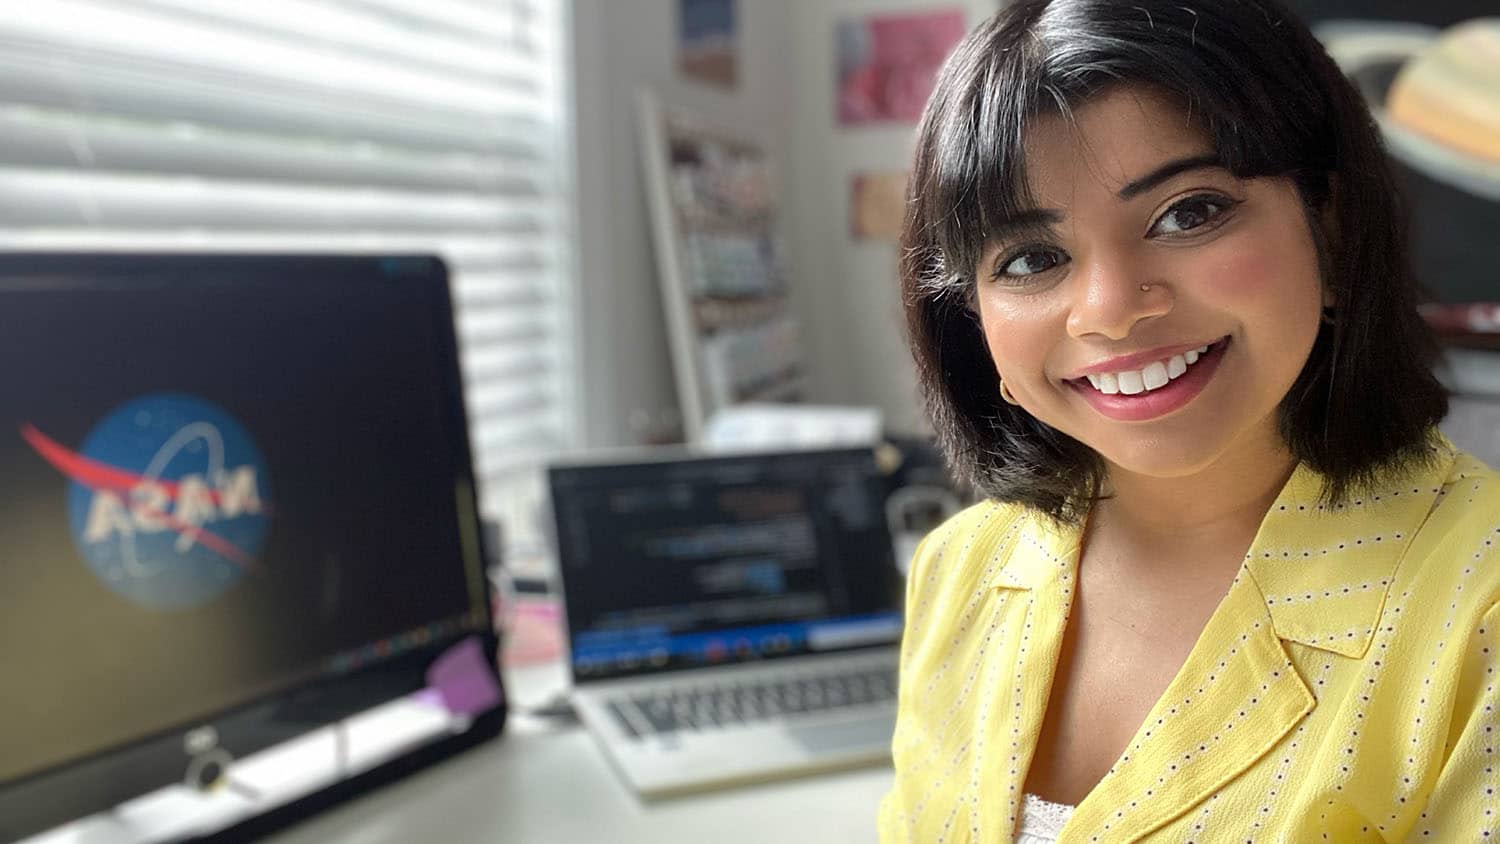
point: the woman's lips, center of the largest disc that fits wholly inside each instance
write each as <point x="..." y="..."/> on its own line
<point x="1161" y="401"/>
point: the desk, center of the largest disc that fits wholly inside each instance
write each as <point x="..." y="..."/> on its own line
<point x="543" y="784"/>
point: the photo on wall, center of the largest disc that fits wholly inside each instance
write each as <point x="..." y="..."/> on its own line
<point x="706" y="42"/>
<point x="877" y="203"/>
<point x="887" y="63"/>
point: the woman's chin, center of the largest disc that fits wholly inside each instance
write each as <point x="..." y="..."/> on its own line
<point x="1160" y="459"/>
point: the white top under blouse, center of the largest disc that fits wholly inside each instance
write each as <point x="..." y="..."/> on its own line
<point x="1041" y="820"/>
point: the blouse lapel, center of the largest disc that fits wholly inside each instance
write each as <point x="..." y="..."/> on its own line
<point x="1315" y="574"/>
<point x="1042" y="571"/>
<point x="1233" y="700"/>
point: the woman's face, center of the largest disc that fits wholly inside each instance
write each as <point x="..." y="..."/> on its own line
<point x="1097" y="305"/>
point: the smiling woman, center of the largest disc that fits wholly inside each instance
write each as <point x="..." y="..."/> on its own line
<point x="1229" y="583"/>
<point x="1153" y="251"/>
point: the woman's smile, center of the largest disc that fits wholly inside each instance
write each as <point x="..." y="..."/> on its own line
<point x="1160" y="387"/>
<point x="1137" y="308"/>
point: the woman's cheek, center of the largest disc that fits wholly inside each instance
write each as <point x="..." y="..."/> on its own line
<point x="1243" y="271"/>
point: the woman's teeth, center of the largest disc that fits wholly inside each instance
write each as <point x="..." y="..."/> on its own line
<point x="1154" y="375"/>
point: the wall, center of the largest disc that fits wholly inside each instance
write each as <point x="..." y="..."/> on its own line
<point x="855" y="301"/>
<point x="619" y="47"/>
<point x="845" y="291"/>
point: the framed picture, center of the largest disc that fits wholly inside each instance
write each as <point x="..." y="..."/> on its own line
<point x="706" y="45"/>
<point x="887" y="63"/>
<point x="734" y="338"/>
<point x="877" y="205"/>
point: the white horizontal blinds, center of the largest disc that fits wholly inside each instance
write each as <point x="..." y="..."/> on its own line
<point x="314" y="125"/>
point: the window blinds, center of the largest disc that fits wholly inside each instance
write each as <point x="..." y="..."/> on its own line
<point x="316" y="126"/>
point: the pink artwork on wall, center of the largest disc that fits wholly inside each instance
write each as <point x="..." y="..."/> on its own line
<point x="887" y="64"/>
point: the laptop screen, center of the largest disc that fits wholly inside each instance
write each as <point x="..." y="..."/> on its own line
<point x="223" y="478"/>
<point x="697" y="561"/>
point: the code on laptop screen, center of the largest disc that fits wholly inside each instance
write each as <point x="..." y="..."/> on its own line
<point x="687" y="562"/>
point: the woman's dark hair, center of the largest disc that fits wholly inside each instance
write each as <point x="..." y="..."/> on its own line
<point x="1273" y="104"/>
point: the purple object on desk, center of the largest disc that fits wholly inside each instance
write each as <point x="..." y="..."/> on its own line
<point x="464" y="679"/>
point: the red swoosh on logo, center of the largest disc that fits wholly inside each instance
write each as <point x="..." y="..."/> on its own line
<point x="102" y="476"/>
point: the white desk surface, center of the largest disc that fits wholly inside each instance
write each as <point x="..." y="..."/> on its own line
<point x="542" y="784"/>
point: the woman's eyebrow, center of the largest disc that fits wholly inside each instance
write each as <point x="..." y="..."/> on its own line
<point x="1031" y="219"/>
<point x="1167" y="171"/>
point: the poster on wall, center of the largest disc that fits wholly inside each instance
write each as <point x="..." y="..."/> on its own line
<point x="733" y="336"/>
<point x="887" y="63"/>
<point x="706" y="48"/>
<point x="877" y="204"/>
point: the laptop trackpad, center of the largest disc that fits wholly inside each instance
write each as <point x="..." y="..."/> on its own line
<point x="869" y="732"/>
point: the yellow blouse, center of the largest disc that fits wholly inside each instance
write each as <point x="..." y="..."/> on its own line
<point x="1344" y="690"/>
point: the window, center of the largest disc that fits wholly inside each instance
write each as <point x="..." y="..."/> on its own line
<point x="318" y="126"/>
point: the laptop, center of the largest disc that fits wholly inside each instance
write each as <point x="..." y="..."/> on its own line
<point x="732" y="618"/>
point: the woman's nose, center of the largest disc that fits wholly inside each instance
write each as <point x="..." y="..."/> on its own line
<point x="1116" y="294"/>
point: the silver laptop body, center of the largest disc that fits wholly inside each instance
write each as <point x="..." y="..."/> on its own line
<point x="732" y="618"/>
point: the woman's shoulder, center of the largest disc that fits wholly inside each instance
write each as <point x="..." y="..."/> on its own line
<point x="976" y="517"/>
<point x="1471" y="476"/>
<point x="1456" y="546"/>
<point x="976" y="529"/>
<point x="953" y="570"/>
<point x="1467" y="504"/>
<point x="970" y="550"/>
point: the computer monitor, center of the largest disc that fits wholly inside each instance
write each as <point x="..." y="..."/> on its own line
<point x="238" y="503"/>
<point x="686" y="560"/>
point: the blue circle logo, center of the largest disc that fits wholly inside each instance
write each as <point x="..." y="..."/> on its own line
<point x="168" y="500"/>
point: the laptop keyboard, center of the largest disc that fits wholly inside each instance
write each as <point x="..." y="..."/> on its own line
<point x="729" y="704"/>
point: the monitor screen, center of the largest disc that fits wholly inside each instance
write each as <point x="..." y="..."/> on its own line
<point x="224" y="478"/>
<point x="683" y="562"/>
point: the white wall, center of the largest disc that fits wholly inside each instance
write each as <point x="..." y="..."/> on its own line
<point x="845" y="291"/>
<point x="856" y="301"/>
<point x="619" y="46"/>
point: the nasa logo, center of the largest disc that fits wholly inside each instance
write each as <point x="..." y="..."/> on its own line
<point x="168" y="499"/>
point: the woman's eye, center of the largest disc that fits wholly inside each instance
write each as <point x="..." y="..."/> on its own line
<point x="1191" y="213"/>
<point x="1030" y="262"/>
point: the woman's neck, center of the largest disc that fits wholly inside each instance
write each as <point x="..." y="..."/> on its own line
<point x="1221" y="506"/>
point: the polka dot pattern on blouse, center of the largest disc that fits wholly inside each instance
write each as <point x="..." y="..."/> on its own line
<point x="1344" y="690"/>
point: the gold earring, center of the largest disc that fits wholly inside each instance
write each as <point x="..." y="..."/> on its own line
<point x="1005" y="394"/>
<point x="1145" y="288"/>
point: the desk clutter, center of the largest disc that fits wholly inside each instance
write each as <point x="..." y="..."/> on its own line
<point x="276" y="566"/>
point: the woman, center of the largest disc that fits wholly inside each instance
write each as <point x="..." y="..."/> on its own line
<point x="1228" y="583"/>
